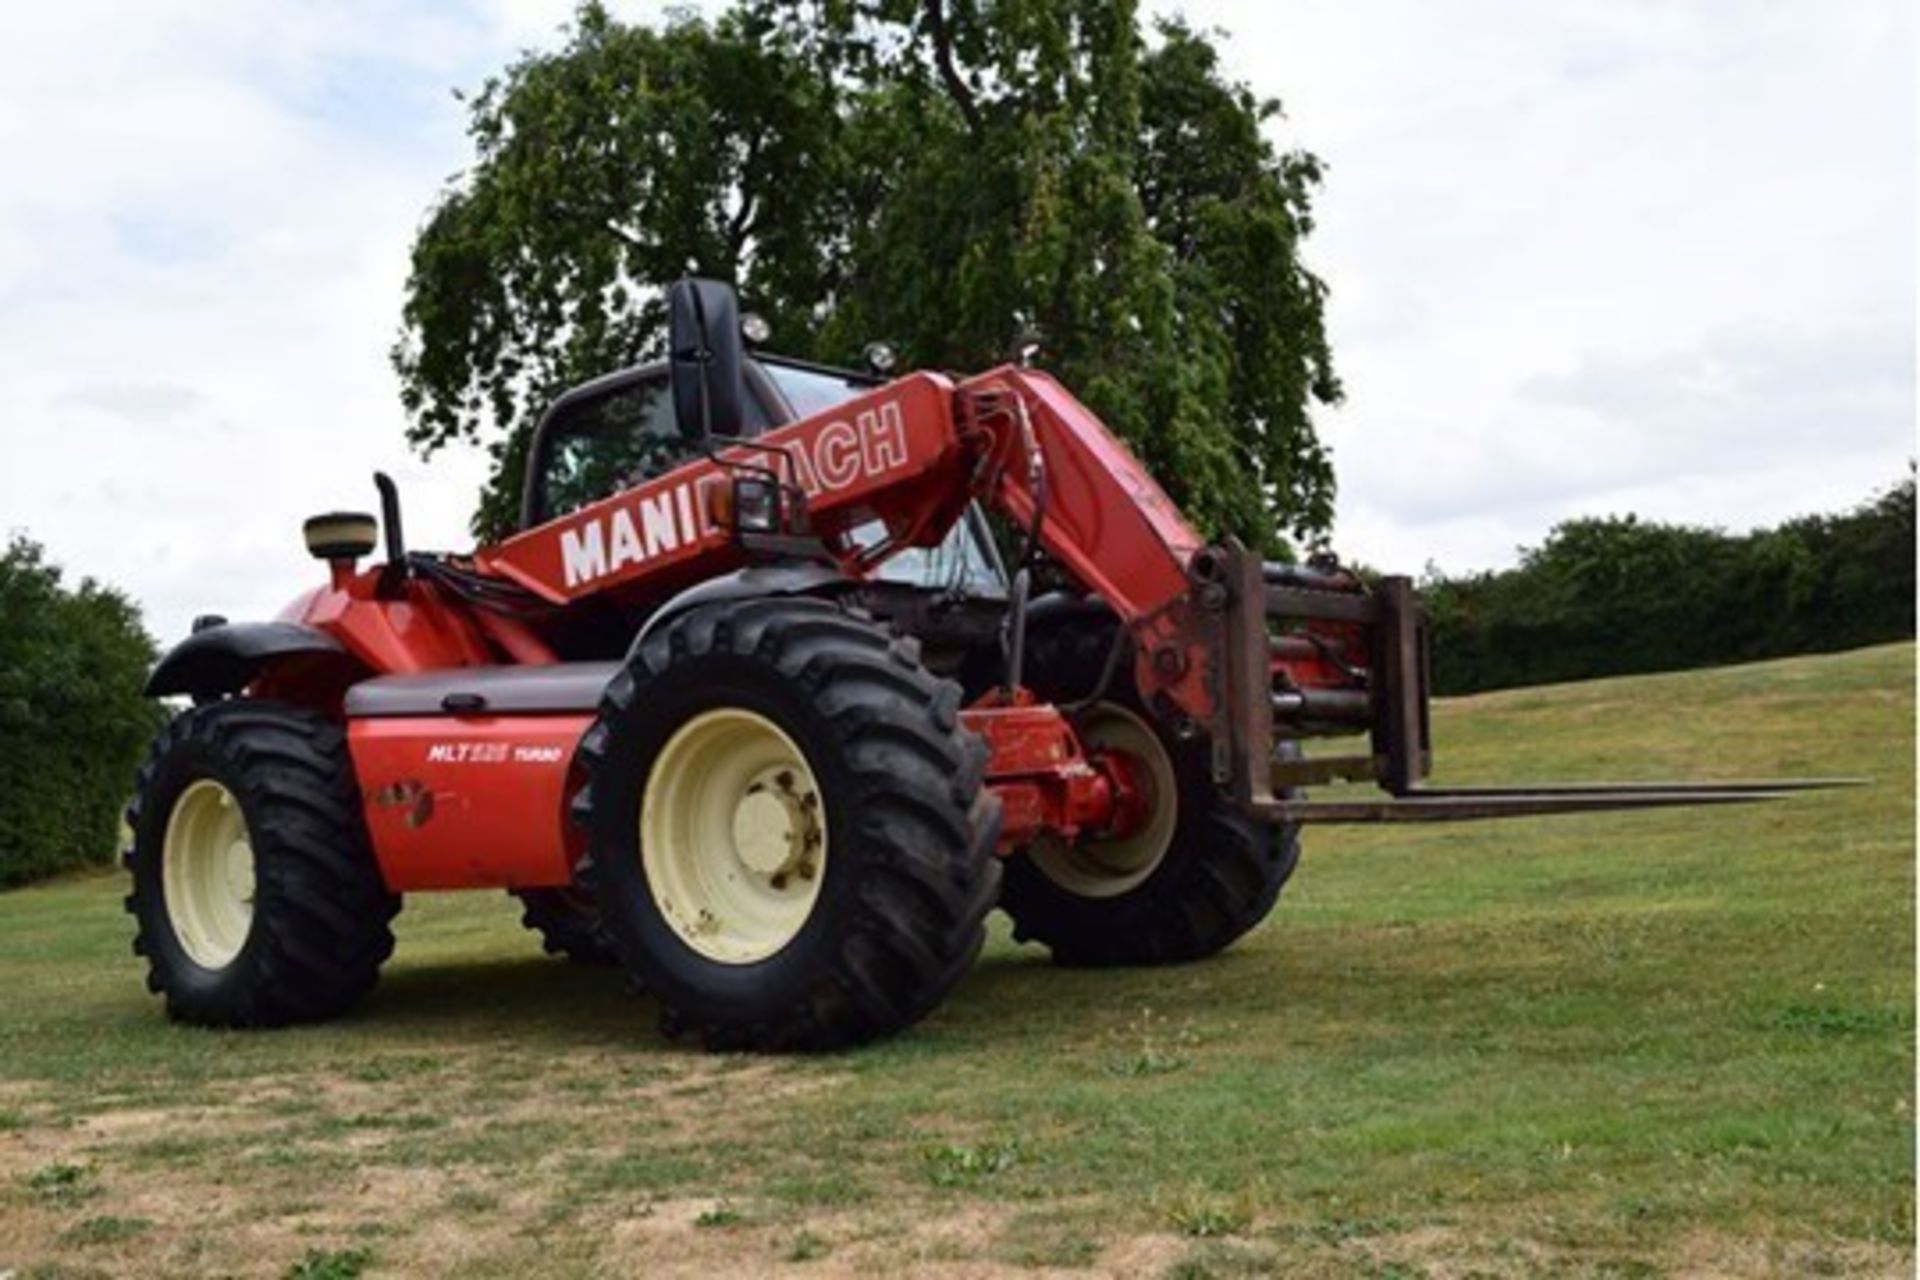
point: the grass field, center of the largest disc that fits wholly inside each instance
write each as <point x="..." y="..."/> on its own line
<point x="1627" y="1045"/>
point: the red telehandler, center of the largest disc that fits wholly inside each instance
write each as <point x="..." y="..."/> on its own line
<point x="752" y="706"/>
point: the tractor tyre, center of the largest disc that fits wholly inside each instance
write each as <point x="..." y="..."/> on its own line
<point x="793" y="846"/>
<point x="256" y="898"/>
<point x="1191" y="881"/>
<point x="568" y="922"/>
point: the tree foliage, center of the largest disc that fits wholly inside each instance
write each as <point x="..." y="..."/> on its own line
<point x="72" y="721"/>
<point x="957" y="176"/>
<point x="1615" y="595"/>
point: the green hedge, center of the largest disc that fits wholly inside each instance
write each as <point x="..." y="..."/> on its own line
<point x="1610" y="596"/>
<point x="72" y="722"/>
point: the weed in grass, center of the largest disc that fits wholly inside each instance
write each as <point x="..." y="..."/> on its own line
<point x="955" y="1165"/>
<point x="721" y="1215"/>
<point x="1145" y="1062"/>
<point x="640" y="1171"/>
<point x="340" y="1126"/>
<point x="805" y="1247"/>
<point x="1207" y="1220"/>
<point x="1338" y="1231"/>
<point x="12" y="1122"/>
<point x="1224" y="1260"/>
<point x="280" y="1157"/>
<point x="1153" y="1049"/>
<point x="837" y="1189"/>
<point x="105" y="1229"/>
<point x="1205" y="1216"/>
<point x="63" y="1182"/>
<point x="331" y="1264"/>
<point x="1832" y="1020"/>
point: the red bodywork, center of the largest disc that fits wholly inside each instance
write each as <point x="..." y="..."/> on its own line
<point x="456" y="802"/>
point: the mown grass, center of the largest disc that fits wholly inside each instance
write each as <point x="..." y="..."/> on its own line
<point x="1632" y="1044"/>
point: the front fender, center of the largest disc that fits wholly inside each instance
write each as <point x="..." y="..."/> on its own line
<point x="226" y="658"/>
<point x="801" y="579"/>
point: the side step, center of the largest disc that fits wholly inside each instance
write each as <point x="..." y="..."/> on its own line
<point x="1466" y="804"/>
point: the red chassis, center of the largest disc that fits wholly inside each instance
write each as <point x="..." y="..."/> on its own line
<point x="465" y="798"/>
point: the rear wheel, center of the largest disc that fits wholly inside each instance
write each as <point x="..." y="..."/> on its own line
<point x="1194" y="877"/>
<point x="792" y="842"/>
<point x="255" y="895"/>
<point x="568" y="922"/>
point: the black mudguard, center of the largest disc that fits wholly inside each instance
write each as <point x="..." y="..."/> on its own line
<point x="226" y="658"/>
<point x="803" y="578"/>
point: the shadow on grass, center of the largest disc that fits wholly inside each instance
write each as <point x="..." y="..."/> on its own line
<point x="533" y="995"/>
<point x="536" y="997"/>
<point x="1013" y="996"/>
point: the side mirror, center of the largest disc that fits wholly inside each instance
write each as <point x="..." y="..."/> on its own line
<point x="703" y="348"/>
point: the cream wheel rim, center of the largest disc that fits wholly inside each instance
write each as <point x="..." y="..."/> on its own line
<point x="207" y="874"/>
<point x="1106" y="866"/>
<point x="733" y="836"/>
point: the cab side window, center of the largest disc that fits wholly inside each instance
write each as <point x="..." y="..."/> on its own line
<point x="614" y="441"/>
<point x="622" y="437"/>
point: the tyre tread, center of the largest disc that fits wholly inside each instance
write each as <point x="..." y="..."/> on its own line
<point x="324" y="927"/>
<point x="927" y="828"/>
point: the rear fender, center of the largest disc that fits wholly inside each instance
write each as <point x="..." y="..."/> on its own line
<point x="227" y="658"/>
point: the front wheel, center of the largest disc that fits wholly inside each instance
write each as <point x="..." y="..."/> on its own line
<point x="1190" y="880"/>
<point x="256" y="897"/>
<point x="792" y="843"/>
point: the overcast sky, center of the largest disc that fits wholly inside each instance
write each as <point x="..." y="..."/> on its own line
<point x="1585" y="258"/>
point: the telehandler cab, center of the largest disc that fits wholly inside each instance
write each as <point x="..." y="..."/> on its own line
<point x="751" y="706"/>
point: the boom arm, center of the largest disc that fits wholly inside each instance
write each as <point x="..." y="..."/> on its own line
<point x="1246" y="652"/>
<point x="912" y="454"/>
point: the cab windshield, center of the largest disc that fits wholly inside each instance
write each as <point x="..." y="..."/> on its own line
<point x="811" y="390"/>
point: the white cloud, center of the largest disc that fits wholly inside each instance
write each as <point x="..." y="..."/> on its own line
<point x="1601" y="256"/>
<point x="1598" y="256"/>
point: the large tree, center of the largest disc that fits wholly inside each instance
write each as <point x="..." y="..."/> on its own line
<point x="958" y="176"/>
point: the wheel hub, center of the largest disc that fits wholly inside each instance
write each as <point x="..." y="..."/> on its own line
<point x="733" y="835"/>
<point x="1103" y="865"/>
<point x="239" y="870"/>
<point x="207" y="874"/>
<point x="774" y="830"/>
